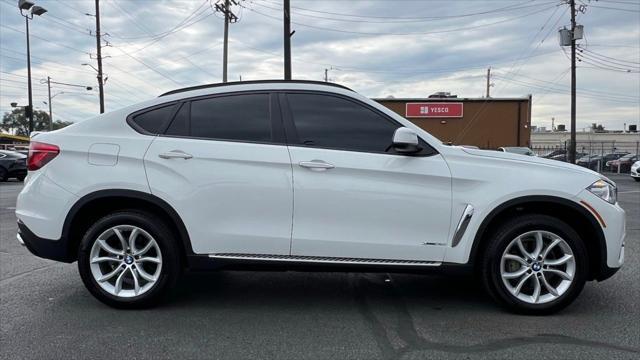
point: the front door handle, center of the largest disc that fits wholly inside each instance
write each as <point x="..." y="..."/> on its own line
<point x="316" y="165"/>
<point x="175" y="154"/>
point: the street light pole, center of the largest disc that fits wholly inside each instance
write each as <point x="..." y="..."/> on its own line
<point x="572" y="145"/>
<point x="29" y="110"/>
<point x="27" y="10"/>
<point x="50" y="103"/>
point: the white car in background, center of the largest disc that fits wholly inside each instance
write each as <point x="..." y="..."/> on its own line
<point x="635" y="171"/>
<point x="298" y="175"/>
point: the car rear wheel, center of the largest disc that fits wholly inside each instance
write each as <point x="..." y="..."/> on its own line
<point x="128" y="260"/>
<point x="535" y="264"/>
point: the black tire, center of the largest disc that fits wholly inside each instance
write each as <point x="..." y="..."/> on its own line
<point x="3" y="174"/>
<point x="490" y="263"/>
<point x="21" y="177"/>
<point x="636" y="178"/>
<point x="163" y="236"/>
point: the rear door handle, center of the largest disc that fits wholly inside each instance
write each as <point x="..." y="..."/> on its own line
<point x="175" y="154"/>
<point x="316" y="165"/>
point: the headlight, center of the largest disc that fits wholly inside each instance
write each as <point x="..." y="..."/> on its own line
<point x="605" y="191"/>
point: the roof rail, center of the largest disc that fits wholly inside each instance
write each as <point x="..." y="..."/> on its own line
<point x="206" y="86"/>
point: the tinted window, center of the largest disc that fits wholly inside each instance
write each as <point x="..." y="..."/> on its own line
<point x="332" y="122"/>
<point x="238" y="117"/>
<point x="154" y="120"/>
<point x="180" y="124"/>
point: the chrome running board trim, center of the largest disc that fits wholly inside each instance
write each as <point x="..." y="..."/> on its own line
<point x="324" y="259"/>
<point x="462" y="225"/>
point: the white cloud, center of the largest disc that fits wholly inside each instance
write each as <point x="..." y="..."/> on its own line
<point x="376" y="65"/>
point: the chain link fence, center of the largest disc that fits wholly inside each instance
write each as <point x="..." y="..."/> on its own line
<point x="601" y="156"/>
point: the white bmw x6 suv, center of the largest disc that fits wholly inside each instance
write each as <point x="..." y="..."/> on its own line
<point x="294" y="175"/>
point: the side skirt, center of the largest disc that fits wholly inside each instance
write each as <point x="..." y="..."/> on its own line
<point x="268" y="262"/>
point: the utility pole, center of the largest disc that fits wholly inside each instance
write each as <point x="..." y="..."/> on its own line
<point x="572" y="146"/>
<point x="287" y="40"/>
<point x="229" y="18"/>
<point x="99" y="49"/>
<point x="568" y="37"/>
<point x="488" y="82"/>
<point x="225" y="51"/>
<point x="326" y="78"/>
<point x="50" y="112"/>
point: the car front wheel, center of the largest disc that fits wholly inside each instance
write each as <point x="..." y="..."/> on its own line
<point x="128" y="259"/>
<point x="535" y="264"/>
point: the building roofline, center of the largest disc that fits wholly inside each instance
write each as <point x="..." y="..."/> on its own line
<point x="252" y="82"/>
<point x="451" y="99"/>
<point x="14" y="137"/>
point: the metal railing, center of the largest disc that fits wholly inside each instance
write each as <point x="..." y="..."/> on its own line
<point x="592" y="154"/>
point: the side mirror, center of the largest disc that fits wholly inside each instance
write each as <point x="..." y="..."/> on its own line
<point x="405" y="141"/>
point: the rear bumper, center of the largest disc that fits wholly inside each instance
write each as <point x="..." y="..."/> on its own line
<point x="45" y="248"/>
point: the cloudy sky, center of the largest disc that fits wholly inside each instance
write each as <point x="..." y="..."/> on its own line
<point x="376" y="47"/>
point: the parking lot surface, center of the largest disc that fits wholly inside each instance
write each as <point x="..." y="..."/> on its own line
<point x="46" y="313"/>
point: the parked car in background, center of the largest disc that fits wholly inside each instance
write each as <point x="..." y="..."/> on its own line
<point x="12" y="165"/>
<point x="594" y="161"/>
<point x="517" y="150"/>
<point x="635" y="171"/>
<point x="563" y="157"/>
<point x="554" y="153"/>
<point x="203" y="178"/>
<point x="624" y="163"/>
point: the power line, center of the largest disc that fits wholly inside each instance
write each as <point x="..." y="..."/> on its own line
<point x="420" y="18"/>
<point x="612" y="59"/>
<point x="533" y="40"/>
<point x="148" y="66"/>
<point x="167" y="32"/>
<point x="553" y="82"/>
<point x="596" y="63"/>
<point x="45" y="39"/>
<point x="390" y="20"/>
<point x="614" y="8"/>
<point x="579" y="93"/>
<point x="404" y="34"/>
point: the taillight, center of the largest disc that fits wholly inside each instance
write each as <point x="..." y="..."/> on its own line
<point x="40" y="154"/>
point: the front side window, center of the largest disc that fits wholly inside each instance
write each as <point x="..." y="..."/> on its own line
<point x="236" y="117"/>
<point x="331" y="122"/>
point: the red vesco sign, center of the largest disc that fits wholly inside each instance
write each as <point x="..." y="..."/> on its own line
<point x="434" y="110"/>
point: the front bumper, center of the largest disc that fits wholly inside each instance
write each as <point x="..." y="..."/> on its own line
<point x="45" y="248"/>
<point x="635" y="173"/>
<point x="613" y="225"/>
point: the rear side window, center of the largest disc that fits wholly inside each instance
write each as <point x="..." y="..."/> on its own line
<point x="154" y="121"/>
<point x="180" y="124"/>
<point x="236" y="117"/>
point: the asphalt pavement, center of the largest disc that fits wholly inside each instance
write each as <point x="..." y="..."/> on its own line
<point x="46" y="313"/>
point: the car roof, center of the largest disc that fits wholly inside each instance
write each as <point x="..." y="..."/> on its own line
<point x="254" y="82"/>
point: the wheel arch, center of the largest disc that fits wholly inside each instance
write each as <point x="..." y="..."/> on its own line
<point x="99" y="203"/>
<point x="582" y="221"/>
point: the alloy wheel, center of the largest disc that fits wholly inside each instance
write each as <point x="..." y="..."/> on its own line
<point x="125" y="261"/>
<point x="537" y="267"/>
